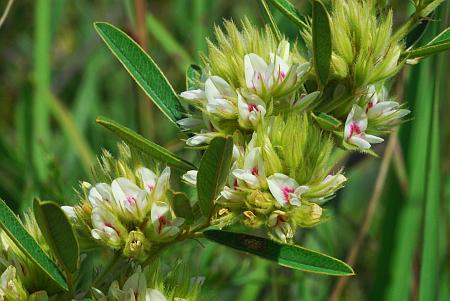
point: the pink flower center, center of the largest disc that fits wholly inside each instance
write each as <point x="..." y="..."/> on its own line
<point x="131" y="200"/>
<point x="150" y="187"/>
<point x="162" y="223"/>
<point x="354" y="129"/>
<point x="286" y="191"/>
<point x="252" y="107"/>
<point x="255" y="171"/>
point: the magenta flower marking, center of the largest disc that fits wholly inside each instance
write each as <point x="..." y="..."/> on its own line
<point x="354" y="129"/>
<point x="286" y="191"/>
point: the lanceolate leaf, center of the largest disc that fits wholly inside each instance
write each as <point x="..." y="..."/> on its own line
<point x="14" y="229"/>
<point x="440" y="43"/>
<point x="58" y="233"/>
<point x="193" y="74"/>
<point x="213" y="171"/>
<point x="143" y="69"/>
<point x="144" y="145"/>
<point x="321" y="38"/>
<point x="327" y="122"/>
<point x="289" y="10"/>
<point x="286" y="255"/>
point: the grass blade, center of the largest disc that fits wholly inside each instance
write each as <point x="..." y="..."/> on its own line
<point x="213" y="171"/>
<point x="146" y="146"/>
<point x="14" y="229"/>
<point x="286" y="255"/>
<point x="143" y="70"/>
<point x="58" y="233"/>
<point x="41" y="125"/>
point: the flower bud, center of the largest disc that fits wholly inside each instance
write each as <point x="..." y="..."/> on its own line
<point x="307" y="215"/>
<point x="136" y="245"/>
<point x="279" y="226"/>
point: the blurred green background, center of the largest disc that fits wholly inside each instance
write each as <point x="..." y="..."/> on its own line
<point x="391" y="222"/>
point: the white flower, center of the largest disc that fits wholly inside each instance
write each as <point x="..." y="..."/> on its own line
<point x="190" y="177"/>
<point x="10" y="286"/>
<point x="221" y="97"/>
<point x="107" y="227"/>
<point x="203" y="138"/>
<point x="190" y="123"/>
<point x="101" y="195"/>
<point x="253" y="172"/>
<point x="155" y="187"/>
<point x="384" y="110"/>
<point x="277" y="77"/>
<point x="164" y="226"/>
<point x="286" y="190"/>
<point x="251" y="110"/>
<point x="130" y="199"/>
<point x="355" y="126"/>
<point x="194" y="96"/>
<point x="232" y="192"/>
<point x="279" y="226"/>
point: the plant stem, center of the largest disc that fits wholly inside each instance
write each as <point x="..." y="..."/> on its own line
<point x="109" y="268"/>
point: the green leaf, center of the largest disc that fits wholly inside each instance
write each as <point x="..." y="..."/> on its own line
<point x="146" y="146"/>
<point x="213" y="172"/>
<point x="327" y="122"/>
<point x="182" y="207"/>
<point x="58" y="233"/>
<point x="440" y="43"/>
<point x="321" y="38"/>
<point x="193" y="74"/>
<point x="290" y="256"/>
<point x="418" y="31"/>
<point x="289" y="10"/>
<point x="25" y="242"/>
<point x="142" y="68"/>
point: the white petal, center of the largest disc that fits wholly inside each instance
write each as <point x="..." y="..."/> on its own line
<point x="198" y="140"/>
<point x="254" y="66"/>
<point x="373" y="139"/>
<point x="163" y="184"/>
<point x="193" y="94"/>
<point x="281" y="186"/>
<point x="361" y="143"/>
<point x="190" y="177"/>
<point x="247" y="177"/>
<point x="148" y="178"/>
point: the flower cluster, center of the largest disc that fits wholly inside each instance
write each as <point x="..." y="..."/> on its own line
<point x="280" y="178"/>
<point x="148" y="285"/>
<point x="130" y="210"/>
<point x="263" y="92"/>
<point x="247" y="76"/>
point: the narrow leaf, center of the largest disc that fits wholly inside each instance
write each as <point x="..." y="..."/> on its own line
<point x="327" y="122"/>
<point x="290" y="256"/>
<point x="58" y="233"/>
<point x="213" y="172"/>
<point x="143" y="69"/>
<point x="440" y="43"/>
<point x="321" y="38"/>
<point x="14" y="229"/>
<point x="182" y="207"/>
<point x="417" y="33"/>
<point x="146" y="146"/>
<point x="193" y="74"/>
<point x="289" y="10"/>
